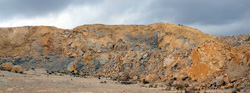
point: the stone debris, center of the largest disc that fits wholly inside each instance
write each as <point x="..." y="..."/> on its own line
<point x="179" y="56"/>
<point x="6" y="66"/>
<point x="12" y="68"/>
<point x="17" y="69"/>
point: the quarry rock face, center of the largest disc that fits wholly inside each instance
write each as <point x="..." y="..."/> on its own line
<point x="160" y="52"/>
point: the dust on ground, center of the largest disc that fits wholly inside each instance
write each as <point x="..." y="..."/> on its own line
<point x="39" y="82"/>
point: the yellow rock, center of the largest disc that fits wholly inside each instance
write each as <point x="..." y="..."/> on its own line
<point x="6" y="66"/>
<point x="151" y="78"/>
<point x="17" y="69"/>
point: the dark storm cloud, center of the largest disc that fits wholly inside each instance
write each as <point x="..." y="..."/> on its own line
<point x="203" y="12"/>
<point x="220" y="14"/>
<point x="32" y="8"/>
<point x="218" y="17"/>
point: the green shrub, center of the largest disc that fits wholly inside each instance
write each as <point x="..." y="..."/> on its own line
<point x="179" y="87"/>
<point x="248" y="39"/>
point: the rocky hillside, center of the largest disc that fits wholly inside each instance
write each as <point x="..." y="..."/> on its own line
<point x="175" y="55"/>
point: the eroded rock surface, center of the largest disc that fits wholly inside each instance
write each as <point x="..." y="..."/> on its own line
<point x="161" y="52"/>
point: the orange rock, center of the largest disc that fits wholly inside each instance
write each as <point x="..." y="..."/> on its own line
<point x="198" y="69"/>
<point x="151" y="78"/>
<point x="160" y="51"/>
<point x="17" y="69"/>
<point x="6" y="66"/>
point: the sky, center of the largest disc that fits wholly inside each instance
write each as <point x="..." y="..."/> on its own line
<point x="217" y="17"/>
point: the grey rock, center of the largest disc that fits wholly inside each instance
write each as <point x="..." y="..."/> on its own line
<point x="219" y="81"/>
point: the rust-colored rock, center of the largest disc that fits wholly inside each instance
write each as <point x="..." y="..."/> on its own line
<point x="6" y="66"/>
<point x="17" y="69"/>
<point x="151" y="78"/>
<point x="160" y="52"/>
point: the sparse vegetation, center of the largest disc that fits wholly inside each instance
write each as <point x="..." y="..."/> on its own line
<point x="168" y="87"/>
<point x="248" y="39"/>
<point x="179" y="87"/>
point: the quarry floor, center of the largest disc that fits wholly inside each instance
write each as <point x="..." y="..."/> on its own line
<point x="39" y="82"/>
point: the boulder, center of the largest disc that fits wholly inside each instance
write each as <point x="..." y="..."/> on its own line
<point x="123" y="76"/>
<point x="151" y="78"/>
<point x="6" y="66"/>
<point x="17" y="69"/>
<point x="71" y="67"/>
<point x="219" y="81"/>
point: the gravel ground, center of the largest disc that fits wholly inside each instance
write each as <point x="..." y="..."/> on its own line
<point x="39" y="82"/>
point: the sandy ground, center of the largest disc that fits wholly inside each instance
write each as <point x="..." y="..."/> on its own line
<point x="39" y="82"/>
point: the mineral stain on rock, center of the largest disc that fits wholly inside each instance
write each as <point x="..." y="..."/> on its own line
<point x="158" y="53"/>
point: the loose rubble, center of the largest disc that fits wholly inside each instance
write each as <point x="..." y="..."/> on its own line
<point x="180" y="57"/>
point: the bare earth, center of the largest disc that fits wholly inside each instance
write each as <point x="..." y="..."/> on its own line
<point x="39" y="82"/>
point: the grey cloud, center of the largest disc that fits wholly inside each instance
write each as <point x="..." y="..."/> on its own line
<point x="119" y="7"/>
<point x="216" y="13"/>
<point x="200" y="11"/>
<point x="33" y="8"/>
<point x="237" y="28"/>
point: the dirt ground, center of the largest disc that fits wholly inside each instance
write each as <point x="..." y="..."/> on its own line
<point x="39" y="82"/>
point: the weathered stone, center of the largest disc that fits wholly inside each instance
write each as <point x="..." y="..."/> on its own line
<point x="123" y="76"/>
<point x="17" y="69"/>
<point x="219" y="81"/>
<point x="151" y="78"/>
<point x="160" y="52"/>
<point x="6" y="66"/>
<point x="71" y="67"/>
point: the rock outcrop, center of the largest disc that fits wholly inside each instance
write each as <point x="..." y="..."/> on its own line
<point x="160" y="52"/>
